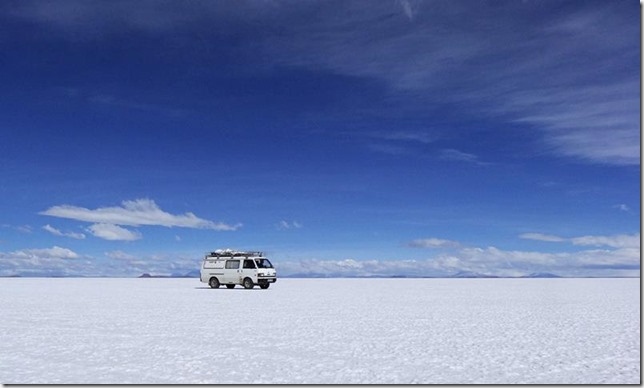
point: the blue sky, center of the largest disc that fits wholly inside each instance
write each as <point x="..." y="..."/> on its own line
<point x="348" y="138"/>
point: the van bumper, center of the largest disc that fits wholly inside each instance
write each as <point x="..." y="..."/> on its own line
<point x="266" y="280"/>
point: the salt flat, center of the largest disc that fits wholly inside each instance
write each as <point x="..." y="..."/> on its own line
<point x="166" y="331"/>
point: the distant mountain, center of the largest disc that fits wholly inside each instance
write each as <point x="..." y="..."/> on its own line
<point x="195" y="273"/>
<point x="307" y="275"/>
<point x="191" y="274"/>
<point x="467" y="274"/>
<point x="43" y="275"/>
<point x="541" y="275"/>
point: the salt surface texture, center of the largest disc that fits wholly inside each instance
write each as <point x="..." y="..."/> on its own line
<point x="165" y="331"/>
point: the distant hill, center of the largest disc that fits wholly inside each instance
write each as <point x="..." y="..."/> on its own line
<point x="458" y="275"/>
<point x="191" y="274"/>
<point x="466" y="274"/>
<point x="307" y="275"/>
<point x="541" y="275"/>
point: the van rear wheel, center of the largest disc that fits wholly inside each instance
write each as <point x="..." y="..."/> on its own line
<point x="248" y="283"/>
<point x="214" y="283"/>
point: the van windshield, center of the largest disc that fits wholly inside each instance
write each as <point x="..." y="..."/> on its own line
<point x="263" y="263"/>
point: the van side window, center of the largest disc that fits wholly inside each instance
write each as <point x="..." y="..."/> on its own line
<point x="232" y="264"/>
<point x="249" y="264"/>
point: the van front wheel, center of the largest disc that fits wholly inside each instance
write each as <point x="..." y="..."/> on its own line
<point x="264" y="286"/>
<point x="214" y="283"/>
<point x="248" y="283"/>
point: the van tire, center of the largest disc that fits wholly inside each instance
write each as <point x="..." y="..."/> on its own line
<point x="264" y="286"/>
<point x="248" y="283"/>
<point x="230" y="286"/>
<point x="213" y="282"/>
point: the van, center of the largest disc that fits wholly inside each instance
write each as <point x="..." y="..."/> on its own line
<point x="230" y="268"/>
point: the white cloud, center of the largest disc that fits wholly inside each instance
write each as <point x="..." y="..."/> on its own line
<point x="54" y="261"/>
<point x="433" y="243"/>
<point x="55" y="252"/>
<point x="541" y="237"/>
<point x="24" y="228"/>
<point x="57" y="232"/>
<point x="615" y="241"/>
<point x="113" y="232"/>
<point x="452" y="154"/>
<point x="459" y="156"/>
<point x="135" y="213"/>
<point x="402" y="136"/>
<point x="282" y="225"/>
<point x="408" y="8"/>
<point x="623" y="207"/>
<point x="120" y="255"/>
<point x="21" y="228"/>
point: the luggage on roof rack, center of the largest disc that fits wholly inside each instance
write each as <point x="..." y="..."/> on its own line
<point x="231" y="253"/>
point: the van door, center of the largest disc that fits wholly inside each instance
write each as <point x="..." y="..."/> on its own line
<point x="232" y="274"/>
<point x="249" y="270"/>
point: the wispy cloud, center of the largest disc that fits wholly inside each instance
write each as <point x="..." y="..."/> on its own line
<point x="409" y="7"/>
<point x="395" y="142"/>
<point x="389" y="149"/>
<point x="541" y="237"/>
<point x="459" y="156"/>
<point x="581" y="93"/>
<point x="20" y="228"/>
<point x="433" y="243"/>
<point x="55" y="252"/>
<point x="120" y="255"/>
<point x="592" y="123"/>
<point x="113" y="232"/>
<point x="616" y="241"/>
<point x="135" y="213"/>
<point x="284" y="225"/>
<point x="57" y="232"/>
<point x="623" y="207"/>
<point x="578" y="94"/>
<point x="403" y="136"/>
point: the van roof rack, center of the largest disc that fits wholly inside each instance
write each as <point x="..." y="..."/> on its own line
<point x="232" y="253"/>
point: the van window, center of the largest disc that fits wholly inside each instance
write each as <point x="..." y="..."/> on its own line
<point x="209" y="264"/>
<point x="232" y="264"/>
<point x="263" y="263"/>
<point x="249" y="264"/>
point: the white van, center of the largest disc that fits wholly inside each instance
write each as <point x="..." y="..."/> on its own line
<point x="229" y="268"/>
